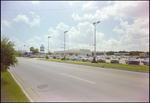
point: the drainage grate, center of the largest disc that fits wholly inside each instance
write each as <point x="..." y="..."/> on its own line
<point x="42" y="86"/>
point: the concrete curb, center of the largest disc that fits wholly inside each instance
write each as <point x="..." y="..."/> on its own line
<point x="32" y="96"/>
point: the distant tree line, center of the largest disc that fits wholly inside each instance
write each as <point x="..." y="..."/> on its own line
<point x="134" y="53"/>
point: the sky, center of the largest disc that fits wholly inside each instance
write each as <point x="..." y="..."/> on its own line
<point x="124" y="25"/>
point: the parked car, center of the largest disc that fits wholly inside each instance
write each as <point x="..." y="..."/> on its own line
<point x="114" y="60"/>
<point x="41" y="56"/>
<point x="119" y="57"/>
<point x="74" y="58"/>
<point x="86" y="59"/>
<point x="107" y="57"/>
<point x="32" y="56"/>
<point x="79" y="58"/>
<point x="101" y="59"/>
<point x="28" y="55"/>
<point x="132" y="61"/>
<point x="145" y="61"/>
<point x="54" y="57"/>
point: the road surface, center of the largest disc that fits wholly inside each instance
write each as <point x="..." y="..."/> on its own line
<point x="56" y="82"/>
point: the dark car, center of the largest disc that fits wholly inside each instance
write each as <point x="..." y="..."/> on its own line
<point x="107" y="57"/>
<point x="132" y="61"/>
<point x="54" y="57"/>
<point x="145" y="61"/>
<point x="101" y="60"/>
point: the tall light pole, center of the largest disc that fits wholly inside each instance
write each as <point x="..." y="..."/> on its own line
<point x="24" y="48"/>
<point x="95" y="23"/>
<point x="48" y="44"/>
<point x="64" y="42"/>
<point x="21" y="49"/>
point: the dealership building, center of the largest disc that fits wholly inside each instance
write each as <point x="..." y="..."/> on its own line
<point x="79" y="52"/>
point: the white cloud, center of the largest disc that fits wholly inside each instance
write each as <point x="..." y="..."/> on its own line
<point x="17" y="43"/>
<point x="98" y="15"/>
<point x="25" y="19"/>
<point x="89" y="4"/>
<point x="6" y="23"/>
<point x="76" y="17"/>
<point x="36" y="37"/>
<point x="117" y="30"/>
<point x="36" y="21"/>
<point x="128" y="9"/>
<point x="21" y="18"/>
<point x="33" y="13"/>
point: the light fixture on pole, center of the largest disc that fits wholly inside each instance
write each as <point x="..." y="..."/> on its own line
<point x="95" y="37"/>
<point x="48" y="44"/>
<point x="64" y="42"/>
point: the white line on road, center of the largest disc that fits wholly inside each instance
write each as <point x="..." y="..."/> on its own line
<point x="37" y="66"/>
<point x="78" y="78"/>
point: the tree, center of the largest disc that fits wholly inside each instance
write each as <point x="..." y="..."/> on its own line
<point x="8" y="54"/>
<point x="35" y="51"/>
<point x="32" y="49"/>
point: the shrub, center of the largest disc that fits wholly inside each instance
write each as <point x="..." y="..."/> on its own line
<point x="64" y="58"/>
<point x="83" y="60"/>
<point x="47" y="57"/>
<point x="94" y="61"/>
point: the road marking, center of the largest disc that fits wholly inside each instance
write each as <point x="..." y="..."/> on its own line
<point x="102" y="73"/>
<point x="78" y="78"/>
<point x="38" y="66"/>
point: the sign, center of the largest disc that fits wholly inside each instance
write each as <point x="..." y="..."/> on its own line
<point x="42" y="48"/>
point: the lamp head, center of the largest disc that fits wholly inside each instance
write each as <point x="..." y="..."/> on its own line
<point x="98" y="22"/>
<point x="65" y="31"/>
<point x="94" y="23"/>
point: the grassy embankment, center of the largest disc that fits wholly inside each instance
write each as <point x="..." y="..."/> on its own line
<point x="109" y="65"/>
<point x="10" y="90"/>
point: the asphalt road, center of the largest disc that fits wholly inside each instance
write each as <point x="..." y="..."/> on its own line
<point x="53" y="81"/>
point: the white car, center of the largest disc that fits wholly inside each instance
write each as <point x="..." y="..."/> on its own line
<point x="79" y="58"/>
<point x="87" y="58"/>
<point x="114" y="60"/>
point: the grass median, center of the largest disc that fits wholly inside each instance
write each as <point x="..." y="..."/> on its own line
<point x="10" y="90"/>
<point x="142" y="68"/>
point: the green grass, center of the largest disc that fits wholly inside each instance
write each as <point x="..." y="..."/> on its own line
<point x="108" y="65"/>
<point x="10" y="90"/>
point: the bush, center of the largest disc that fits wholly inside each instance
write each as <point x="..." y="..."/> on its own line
<point x="94" y="61"/>
<point x="47" y="57"/>
<point x="64" y="58"/>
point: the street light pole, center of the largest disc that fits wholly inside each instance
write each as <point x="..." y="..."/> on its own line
<point x="95" y="37"/>
<point x="24" y="48"/>
<point x="64" y="42"/>
<point x="48" y="44"/>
